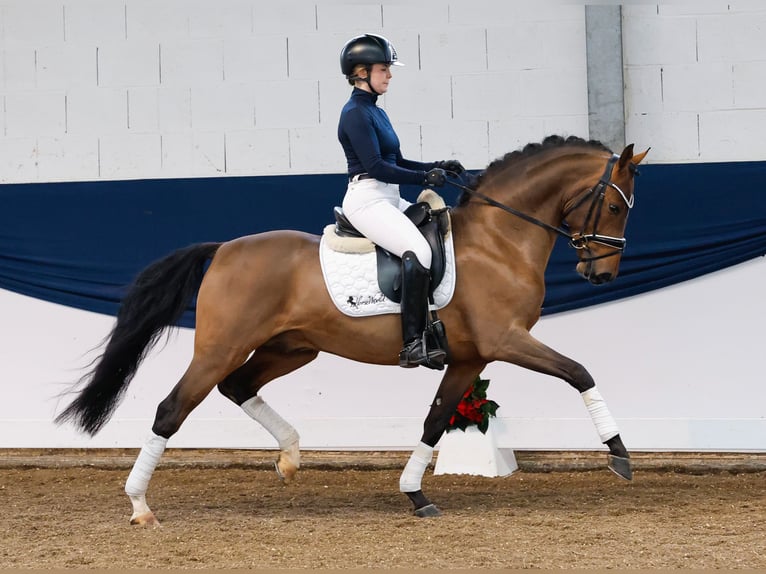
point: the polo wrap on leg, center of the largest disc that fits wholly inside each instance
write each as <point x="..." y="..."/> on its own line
<point x="148" y="458"/>
<point x="602" y="418"/>
<point x="257" y="409"/>
<point x="415" y="468"/>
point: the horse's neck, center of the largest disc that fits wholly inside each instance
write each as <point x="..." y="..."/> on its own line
<point x="482" y="227"/>
<point x="540" y="191"/>
<point x="546" y="186"/>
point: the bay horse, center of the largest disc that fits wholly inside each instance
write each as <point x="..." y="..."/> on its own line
<point x="253" y="324"/>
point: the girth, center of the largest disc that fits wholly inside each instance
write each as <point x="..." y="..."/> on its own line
<point x="432" y="223"/>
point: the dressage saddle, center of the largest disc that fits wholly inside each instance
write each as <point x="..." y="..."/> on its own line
<point x="432" y="223"/>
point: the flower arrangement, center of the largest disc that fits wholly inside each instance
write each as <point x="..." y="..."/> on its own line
<point x="474" y="408"/>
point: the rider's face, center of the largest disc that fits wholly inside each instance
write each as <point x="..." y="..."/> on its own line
<point x="380" y="75"/>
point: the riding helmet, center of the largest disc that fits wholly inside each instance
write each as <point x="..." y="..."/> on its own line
<point x="367" y="49"/>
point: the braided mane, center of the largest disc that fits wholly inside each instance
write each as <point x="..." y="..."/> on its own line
<point x="533" y="148"/>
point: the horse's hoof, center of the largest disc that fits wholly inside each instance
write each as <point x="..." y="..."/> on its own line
<point x="279" y="472"/>
<point x="620" y="466"/>
<point x="145" y="519"/>
<point x="288" y="463"/>
<point x="285" y="471"/>
<point x="428" y="511"/>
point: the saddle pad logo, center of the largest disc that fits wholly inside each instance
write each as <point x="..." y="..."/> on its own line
<point x="352" y="281"/>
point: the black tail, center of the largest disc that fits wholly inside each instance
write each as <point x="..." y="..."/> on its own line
<point x="156" y="300"/>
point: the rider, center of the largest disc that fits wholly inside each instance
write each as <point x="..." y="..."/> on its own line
<point x="372" y="202"/>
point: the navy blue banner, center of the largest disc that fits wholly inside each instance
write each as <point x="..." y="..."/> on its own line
<point x="688" y="220"/>
<point x="81" y="244"/>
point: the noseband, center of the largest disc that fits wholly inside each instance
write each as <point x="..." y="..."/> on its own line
<point x="578" y="240"/>
<point x="597" y="193"/>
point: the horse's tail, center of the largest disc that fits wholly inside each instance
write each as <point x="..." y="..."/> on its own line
<point x="156" y="300"/>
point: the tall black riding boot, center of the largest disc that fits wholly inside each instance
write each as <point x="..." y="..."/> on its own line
<point x="415" y="286"/>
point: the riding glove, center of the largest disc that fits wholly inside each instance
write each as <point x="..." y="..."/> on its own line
<point x="452" y="165"/>
<point x="436" y="177"/>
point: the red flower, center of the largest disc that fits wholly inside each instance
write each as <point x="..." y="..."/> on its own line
<point x="474" y="408"/>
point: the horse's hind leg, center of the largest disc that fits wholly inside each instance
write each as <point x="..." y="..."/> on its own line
<point x="267" y="363"/>
<point x="199" y="379"/>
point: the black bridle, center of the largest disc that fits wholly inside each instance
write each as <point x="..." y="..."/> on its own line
<point x="578" y="240"/>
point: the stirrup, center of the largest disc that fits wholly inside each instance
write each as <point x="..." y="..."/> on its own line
<point x="416" y="353"/>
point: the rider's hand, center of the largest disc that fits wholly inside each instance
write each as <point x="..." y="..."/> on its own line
<point x="451" y="165"/>
<point x="436" y="177"/>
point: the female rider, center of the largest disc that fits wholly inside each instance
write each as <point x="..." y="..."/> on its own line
<point x="372" y="202"/>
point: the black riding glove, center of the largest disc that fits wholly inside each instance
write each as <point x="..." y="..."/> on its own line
<point x="452" y="165"/>
<point x="436" y="177"/>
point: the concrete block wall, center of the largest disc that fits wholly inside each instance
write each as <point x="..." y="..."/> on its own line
<point x="120" y="89"/>
<point x="115" y="89"/>
<point x="695" y="79"/>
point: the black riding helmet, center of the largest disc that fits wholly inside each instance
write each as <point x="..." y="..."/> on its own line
<point x="368" y="49"/>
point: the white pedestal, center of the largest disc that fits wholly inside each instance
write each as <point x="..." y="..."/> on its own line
<point x="472" y="452"/>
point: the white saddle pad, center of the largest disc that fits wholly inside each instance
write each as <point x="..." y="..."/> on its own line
<point x="352" y="278"/>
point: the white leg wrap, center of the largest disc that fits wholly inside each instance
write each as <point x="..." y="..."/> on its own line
<point x="602" y="418"/>
<point x="257" y="409"/>
<point x="139" y="505"/>
<point x="148" y="458"/>
<point x="415" y="468"/>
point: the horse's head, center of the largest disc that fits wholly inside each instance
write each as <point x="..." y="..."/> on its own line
<point x="595" y="192"/>
<point x="597" y="218"/>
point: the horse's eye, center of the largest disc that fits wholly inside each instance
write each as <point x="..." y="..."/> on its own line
<point x="614" y="209"/>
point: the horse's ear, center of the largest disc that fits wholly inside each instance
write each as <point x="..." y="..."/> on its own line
<point x="638" y="157"/>
<point x="625" y="157"/>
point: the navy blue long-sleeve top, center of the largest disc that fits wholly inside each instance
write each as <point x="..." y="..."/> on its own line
<point x="371" y="144"/>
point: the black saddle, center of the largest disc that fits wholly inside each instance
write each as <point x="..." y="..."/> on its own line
<point x="432" y="223"/>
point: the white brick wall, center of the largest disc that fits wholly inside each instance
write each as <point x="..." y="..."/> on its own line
<point x="284" y="17"/>
<point x="66" y="65"/>
<point x="249" y="57"/>
<point x="729" y="135"/>
<point x="32" y="22"/>
<point x="127" y="63"/>
<point x="173" y="88"/>
<point x="695" y="81"/>
<point x="223" y="107"/>
<point x="258" y="152"/>
<point x="93" y="21"/>
<point x="41" y="113"/>
<point x="98" y="112"/>
<point x="193" y="154"/>
<point x="67" y="157"/>
<point x="191" y="62"/>
<point x="125" y="156"/>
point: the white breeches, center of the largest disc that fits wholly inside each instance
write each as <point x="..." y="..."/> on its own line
<point x="375" y="209"/>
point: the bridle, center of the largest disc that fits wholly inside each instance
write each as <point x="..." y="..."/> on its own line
<point x="581" y="239"/>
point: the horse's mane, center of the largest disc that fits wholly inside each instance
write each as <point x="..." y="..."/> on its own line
<point x="533" y="148"/>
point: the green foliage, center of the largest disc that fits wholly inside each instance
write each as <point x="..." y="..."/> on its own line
<point x="474" y="408"/>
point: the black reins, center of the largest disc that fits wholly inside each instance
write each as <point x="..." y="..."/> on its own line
<point x="580" y="239"/>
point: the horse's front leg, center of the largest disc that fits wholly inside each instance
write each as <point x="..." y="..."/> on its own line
<point x="526" y="351"/>
<point x="456" y="380"/>
<point x="606" y="426"/>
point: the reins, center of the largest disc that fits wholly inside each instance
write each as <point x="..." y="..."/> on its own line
<point x="577" y="240"/>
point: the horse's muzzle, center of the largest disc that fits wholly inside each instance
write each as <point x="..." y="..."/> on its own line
<point x="587" y="270"/>
<point x="600" y="278"/>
